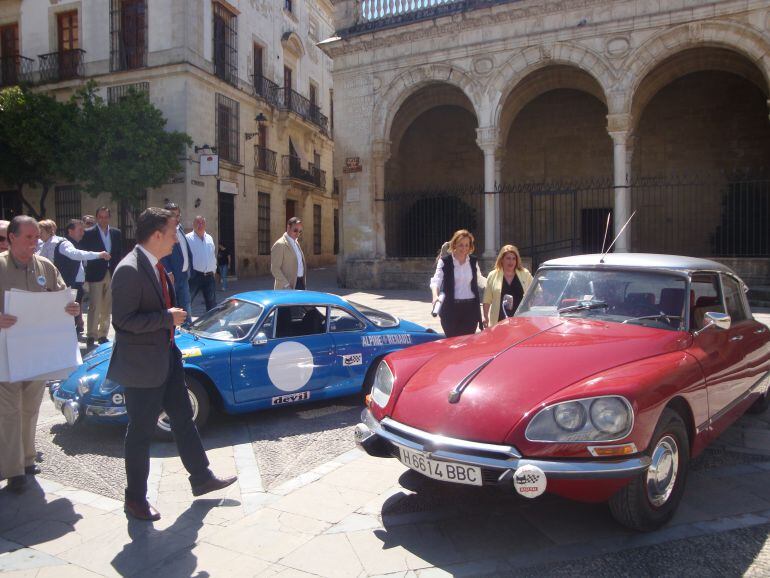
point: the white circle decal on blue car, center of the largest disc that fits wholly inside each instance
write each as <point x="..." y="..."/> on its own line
<point x="290" y="366"/>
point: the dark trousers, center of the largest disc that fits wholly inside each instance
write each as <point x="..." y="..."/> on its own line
<point x="144" y="406"/>
<point x="79" y="299"/>
<point x="460" y="318"/>
<point x="203" y="282"/>
<point x="300" y="283"/>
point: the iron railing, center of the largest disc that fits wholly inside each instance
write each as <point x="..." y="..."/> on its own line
<point x="267" y="90"/>
<point x="264" y="160"/>
<point x="15" y="69"/>
<point x="63" y="65"/>
<point x="292" y="100"/>
<point x="292" y="169"/>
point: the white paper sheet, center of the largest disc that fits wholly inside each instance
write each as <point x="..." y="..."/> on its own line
<point x="43" y="340"/>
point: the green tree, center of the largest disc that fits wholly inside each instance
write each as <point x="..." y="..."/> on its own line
<point x="33" y="142"/>
<point x="124" y="148"/>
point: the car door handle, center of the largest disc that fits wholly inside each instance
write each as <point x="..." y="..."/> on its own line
<point x="736" y="338"/>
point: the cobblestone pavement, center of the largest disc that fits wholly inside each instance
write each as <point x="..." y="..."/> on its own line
<point x="307" y="504"/>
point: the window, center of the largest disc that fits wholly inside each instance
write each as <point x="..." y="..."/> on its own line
<point x="67" y="206"/>
<point x="225" y="44"/>
<point x="341" y="320"/>
<point x="258" y="56"/>
<point x="736" y="308"/>
<point x="9" y="54"/>
<point x="227" y="129"/>
<point x="300" y="320"/>
<point x="287" y="78"/>
<point x="115" y="93"/>
<point x="128" y="34"/>
<point x="316" y="229"/>
<point x="263" y="223"/>
<point x="705" y="296"/>
<point x="287" y="5"/>
<point x="68" y="42"/>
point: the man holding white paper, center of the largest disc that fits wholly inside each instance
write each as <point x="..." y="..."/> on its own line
<point x="20" y="401"/>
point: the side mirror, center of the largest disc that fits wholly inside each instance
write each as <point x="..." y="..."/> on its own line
<point x="715" y="319"/>
<point x="259" y="339"/>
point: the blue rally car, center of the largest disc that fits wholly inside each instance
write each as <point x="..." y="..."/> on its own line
<point x="254" y="351"/>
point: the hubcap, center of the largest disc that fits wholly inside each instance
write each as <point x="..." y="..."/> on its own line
<point x="165" y="424"/>
<point x="661" y="475"/>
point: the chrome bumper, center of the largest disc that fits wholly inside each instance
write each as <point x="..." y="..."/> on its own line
<point x="73" y="410"/>
<point x="375" y="438"/>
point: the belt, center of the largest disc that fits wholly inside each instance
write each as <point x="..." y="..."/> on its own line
<point x="210" y="273"/>
<point x="471" y="300"/>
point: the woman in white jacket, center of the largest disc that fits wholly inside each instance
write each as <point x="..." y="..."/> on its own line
<point x="509" y="277"/>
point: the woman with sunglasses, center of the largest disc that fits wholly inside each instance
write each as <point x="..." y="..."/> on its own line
<point x="509" y="277"/>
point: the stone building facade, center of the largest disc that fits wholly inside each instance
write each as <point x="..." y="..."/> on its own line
<point x="537" y="119"/>
<point x="242" y="76"/>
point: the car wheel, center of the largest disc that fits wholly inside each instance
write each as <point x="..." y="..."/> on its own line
<point x="761" y="404"/>
<point x="651" y="499"/>
<point x="199" y="400"/>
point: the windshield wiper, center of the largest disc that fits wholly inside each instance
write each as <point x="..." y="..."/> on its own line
<point x="584" y="306"/>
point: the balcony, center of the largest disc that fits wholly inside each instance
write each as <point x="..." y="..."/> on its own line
<point x="265" y="160"/>
<point x="296" y="103"/>
<point x="267" y="90"/>
<point x="64" y="65"/>
<point x="313" y="176"/>
<point x="15" y="70"/>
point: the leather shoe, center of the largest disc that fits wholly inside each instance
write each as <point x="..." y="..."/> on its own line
<point x="32" y="470"/>
<point x="141" y="511"/>
<point x="17" y="484"/>
<point x="103" y="340"/>
<point x="212" y="485"/>
<point x="90" y="343"/>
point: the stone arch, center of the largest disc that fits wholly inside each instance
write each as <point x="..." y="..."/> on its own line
<point x="531" y="59"/>
<point x="731" y="36"/>
<point x="411" y="81"/>
<point x="293" y="43"/>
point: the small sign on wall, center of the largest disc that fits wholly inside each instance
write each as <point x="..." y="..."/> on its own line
<point x="352" y="165"/>
<point x="227" y="187"/>
<point x="209" y="165"/>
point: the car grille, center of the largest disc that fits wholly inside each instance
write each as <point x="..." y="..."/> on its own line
<point x="100" y="402"/>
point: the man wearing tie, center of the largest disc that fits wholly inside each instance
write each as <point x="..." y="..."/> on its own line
<point x="147" y="362"/>
<point x="99" y="273"/>
<point x="179" y="263"/>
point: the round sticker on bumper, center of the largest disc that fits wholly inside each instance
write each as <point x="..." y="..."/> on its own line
<point x="529" y="481"/>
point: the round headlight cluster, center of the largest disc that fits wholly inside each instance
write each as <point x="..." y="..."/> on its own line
<point x="383" y="384"/>
<point x="605" y="418"/>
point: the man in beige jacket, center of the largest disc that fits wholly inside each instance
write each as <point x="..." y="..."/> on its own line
<point x="287" y="261"/>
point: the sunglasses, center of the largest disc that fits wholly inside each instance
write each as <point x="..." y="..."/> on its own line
<point x="297" y="231"/>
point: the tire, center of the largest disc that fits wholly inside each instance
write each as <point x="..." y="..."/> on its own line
<point x="760" y="406"/>
<point x="201" y="406"/>
<point x="649" y="501"/>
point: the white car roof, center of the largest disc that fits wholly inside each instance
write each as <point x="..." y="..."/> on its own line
<point x="640" y="260"/>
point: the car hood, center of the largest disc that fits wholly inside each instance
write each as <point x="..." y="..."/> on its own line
<point x="513" y="368"/>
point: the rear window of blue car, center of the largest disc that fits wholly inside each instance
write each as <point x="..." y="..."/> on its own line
<point x="378" y="318"/>
<point x="231" y="320"/>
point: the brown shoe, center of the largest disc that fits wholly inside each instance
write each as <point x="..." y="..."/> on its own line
<point x="141" y="511"/>
<point x="212" y="485"/>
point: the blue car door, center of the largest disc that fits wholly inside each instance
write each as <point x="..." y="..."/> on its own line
<point x="291" y="356"/>
<point x="351" y="357"/>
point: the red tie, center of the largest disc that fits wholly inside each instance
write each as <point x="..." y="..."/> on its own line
<point x="166" y="294"/>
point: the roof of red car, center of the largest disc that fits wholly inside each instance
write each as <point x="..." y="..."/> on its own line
<point x="641" y="260"/>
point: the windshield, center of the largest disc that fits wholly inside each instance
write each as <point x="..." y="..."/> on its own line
<point x="640" y="297"/>
<point x="378" y="318"/>
<point x="228" y="321"/>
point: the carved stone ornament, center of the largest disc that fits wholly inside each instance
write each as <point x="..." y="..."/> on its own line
<point x="487" y="137"/>
<point x="483" y="65"/>
<point x="618" y="46"/>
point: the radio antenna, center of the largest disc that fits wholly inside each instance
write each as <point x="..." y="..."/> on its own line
<point x="623" y="228"/>
<point x="606" y="230"/>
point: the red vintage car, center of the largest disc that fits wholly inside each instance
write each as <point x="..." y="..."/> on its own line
<point x="612" y="374"/>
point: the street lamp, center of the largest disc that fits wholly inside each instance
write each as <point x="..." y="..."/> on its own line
<point x="260" y="119"/>
<point x="205" y="147"/>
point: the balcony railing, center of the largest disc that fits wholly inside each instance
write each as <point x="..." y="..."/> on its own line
<point x="63" y="65"/>
<point x="292" y="168"/>
<point x="15" y="69"/>
<point x="265" y="160"/>
<point x="295" y="102"/>
<point x="267" y="89"/>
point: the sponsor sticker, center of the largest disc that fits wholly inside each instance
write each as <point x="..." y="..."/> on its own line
<point x="192" y="352"/>
<point x="353" y="359"/>
<point x="386" y="339"/>
<point x="529" y="481"/>
<point x="291" y="398"/>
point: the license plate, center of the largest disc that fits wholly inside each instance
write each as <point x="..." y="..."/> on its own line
<point x="445" y="471"/>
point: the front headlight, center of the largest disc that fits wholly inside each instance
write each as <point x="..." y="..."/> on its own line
<point x="595" y="419"/>
<point x="383" y="384"/>
<point x="85" y="383"/>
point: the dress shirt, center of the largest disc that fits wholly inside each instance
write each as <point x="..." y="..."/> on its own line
<point x="153" y="261"/>
<point x="47" y="248"/>
<point x="106" y="238"/>
<point x="298" y="253"/>
<point x="463" y="276"/>
<point x="204" y="253"/>
<point x="71" y="252"/>
<point x="180" y="237"/>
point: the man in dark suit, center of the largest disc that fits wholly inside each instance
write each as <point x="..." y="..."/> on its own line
<point x="147" y="362"/>
<point x="99" y="273"/>
<point x="179" y="263"/>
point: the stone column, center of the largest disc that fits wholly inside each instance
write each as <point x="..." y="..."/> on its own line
<point x="380" y="156"/>
<point x="498" y="203"/>
<point x="486" y="138"/>
<point x="619" y="131"/>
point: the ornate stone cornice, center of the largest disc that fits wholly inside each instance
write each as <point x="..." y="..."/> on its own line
<point x="487" y="138"/>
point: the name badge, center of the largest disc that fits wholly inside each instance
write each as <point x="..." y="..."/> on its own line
<point x="41" y="280"/>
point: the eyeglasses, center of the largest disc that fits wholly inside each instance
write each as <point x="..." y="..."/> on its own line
<point x="297" y="231"/>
